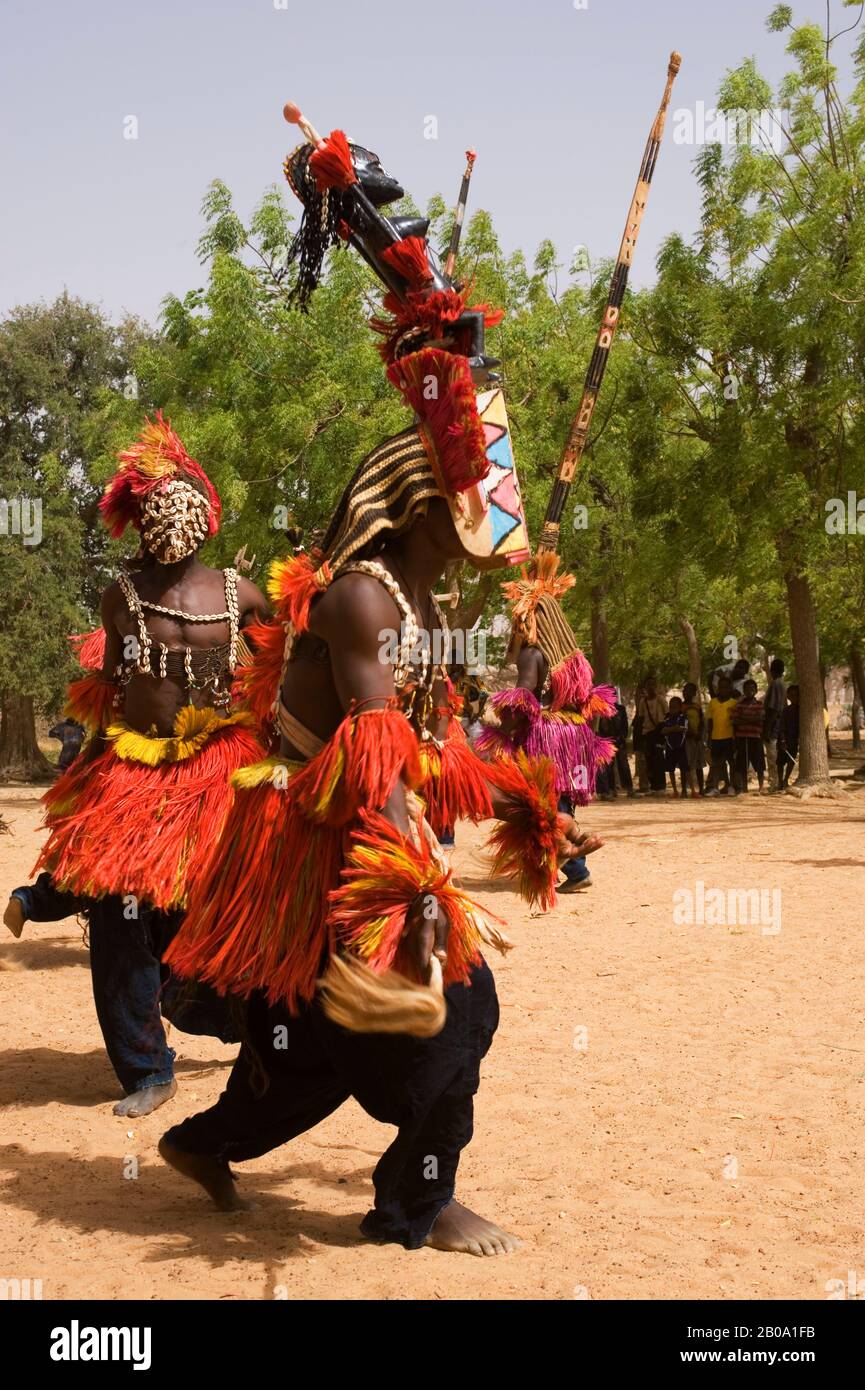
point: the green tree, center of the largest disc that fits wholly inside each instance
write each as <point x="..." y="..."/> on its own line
<point x="58" y="365"/>
<point x="759" y="327"/>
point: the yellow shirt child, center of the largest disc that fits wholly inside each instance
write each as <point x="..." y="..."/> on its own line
<point x="721" y="714"/>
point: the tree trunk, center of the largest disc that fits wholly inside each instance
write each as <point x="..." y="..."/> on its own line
<point x="813" y="757"/>
<point x="600" y="635"/>
<point x="20" y="756"/>
<point x="694" y="668"/>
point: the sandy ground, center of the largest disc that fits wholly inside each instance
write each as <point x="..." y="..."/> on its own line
<point x="667" y="1111"/>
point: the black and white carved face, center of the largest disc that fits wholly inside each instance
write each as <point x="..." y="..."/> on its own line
<point x="376" y="183"/>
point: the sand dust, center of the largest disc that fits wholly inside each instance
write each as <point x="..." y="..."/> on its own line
<point x="668" y="1111"/>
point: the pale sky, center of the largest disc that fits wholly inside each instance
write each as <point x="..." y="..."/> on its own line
<point x="557" y="96"/>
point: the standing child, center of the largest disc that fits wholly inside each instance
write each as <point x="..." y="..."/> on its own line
<point x="719" y="722"/>
<point x="675" y="732"/>
<point x="748" y="724"/>
<point x="788" y="737"/>
<point x="693" y="712"/>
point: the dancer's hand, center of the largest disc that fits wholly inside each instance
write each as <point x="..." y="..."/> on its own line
<point x="426" y="935"/>
<point x="574" y="842"/>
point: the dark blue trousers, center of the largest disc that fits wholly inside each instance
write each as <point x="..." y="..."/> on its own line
<point x="294" y="1071"/>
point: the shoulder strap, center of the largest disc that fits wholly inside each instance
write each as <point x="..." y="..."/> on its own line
<point x="410" y="632"/>
<point x="130" y="593"/>
<point x="133" y="602"/>
<point x="232" y="604"/>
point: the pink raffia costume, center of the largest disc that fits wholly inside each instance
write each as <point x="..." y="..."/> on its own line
<point x="556" y="720"/>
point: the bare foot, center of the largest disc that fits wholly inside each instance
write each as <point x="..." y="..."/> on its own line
<point x="146" y="1101"/>
<point x="460" y="1230"/>
<point x="13" y="917"/>
<point x="215" y="1177"/>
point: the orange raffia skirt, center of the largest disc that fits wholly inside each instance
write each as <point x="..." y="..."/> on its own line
<point x="140" y="817"/>
<point x="305" y="867"/>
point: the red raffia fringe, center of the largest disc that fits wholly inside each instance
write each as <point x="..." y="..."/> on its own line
<point x="90" y="700"/>
<point x="526" y="846"/>
<point x="358" y="767"/>
<point x="89" y="648"/>
<point x="386" y="873"/>
<point x="331" y="164"/>
<point x="292" y="586"/>
<point x="455" y="785"/>
<point x="434" y="313"/>
<point x="257" y="917"/>
<point x="451" y="428"/>
<point x="118" y="826"/>
<point x="409" y="259"/>
<point x="256" y="684"/>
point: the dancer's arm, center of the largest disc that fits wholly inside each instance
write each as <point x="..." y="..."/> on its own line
<point x="112" y="605"/>
<point x="254" y="607"/>
<point x="355" y="617"/>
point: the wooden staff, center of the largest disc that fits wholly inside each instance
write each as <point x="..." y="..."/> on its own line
<point x="576" y="443"/>
<point x="459" y="214"/>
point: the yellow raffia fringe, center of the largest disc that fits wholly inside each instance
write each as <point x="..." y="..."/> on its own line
<point x="274" y="580"/>
<point x="271" y="771"/>
<point x="323" y="803"/>
<point x="431" y="766"/>
<point x="192" y="728"/>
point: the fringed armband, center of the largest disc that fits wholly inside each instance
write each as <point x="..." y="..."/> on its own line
<point x="517" y="701"/>
<point x="493" y="740"/>
<point x="293" y="584"/>
<point x="91" y="700"/>
<point x="455" y="783"/>
<point x="600" y="703"/>
<point x="571" y="683"/>
<point x="525" y="847"/>
<point x="89" y="649"/>
<point x="358" y="767"/>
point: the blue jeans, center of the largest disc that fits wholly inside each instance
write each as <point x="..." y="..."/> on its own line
<point x="574" y="870"/>
<point x="127" y="984"/>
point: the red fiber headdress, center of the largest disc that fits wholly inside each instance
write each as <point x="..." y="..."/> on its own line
<point x="158" y="457"/>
